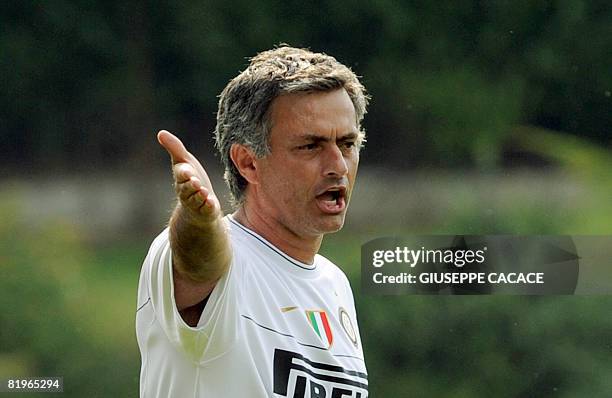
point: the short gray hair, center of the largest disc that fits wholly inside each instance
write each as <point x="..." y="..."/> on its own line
<point x="243" y="116"/>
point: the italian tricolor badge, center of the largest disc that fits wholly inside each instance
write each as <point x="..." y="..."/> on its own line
<point x="320" y="323"/>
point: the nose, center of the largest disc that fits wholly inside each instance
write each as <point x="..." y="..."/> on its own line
<point x="335" y="163"/>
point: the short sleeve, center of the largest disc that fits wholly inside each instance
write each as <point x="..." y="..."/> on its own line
<point x="218" y="327"/>
<point x="348" y="291"/>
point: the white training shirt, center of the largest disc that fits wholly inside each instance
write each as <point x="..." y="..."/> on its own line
<point x="272" y="327"/>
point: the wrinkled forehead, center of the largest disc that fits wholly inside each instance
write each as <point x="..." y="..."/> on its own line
<point x="313" y="111"/>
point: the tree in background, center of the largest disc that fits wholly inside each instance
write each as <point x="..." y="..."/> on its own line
<point x="91" y="81"/>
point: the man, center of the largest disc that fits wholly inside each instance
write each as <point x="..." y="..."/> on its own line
<point x="242" y="305"/>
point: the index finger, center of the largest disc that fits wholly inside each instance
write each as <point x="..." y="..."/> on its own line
<point x="177" y="151"/>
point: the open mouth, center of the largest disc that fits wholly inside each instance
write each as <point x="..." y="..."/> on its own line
<point x="332" y="200"/>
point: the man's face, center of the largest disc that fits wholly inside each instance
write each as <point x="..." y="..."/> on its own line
<point x="306" y="181"/>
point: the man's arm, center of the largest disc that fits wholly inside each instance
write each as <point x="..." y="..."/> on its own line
<point x="201" y="251"/>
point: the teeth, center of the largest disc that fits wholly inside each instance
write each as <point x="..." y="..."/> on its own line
<point x="332" y="196"/>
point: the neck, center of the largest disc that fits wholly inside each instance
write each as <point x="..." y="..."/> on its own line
<point x="301" y="248"/>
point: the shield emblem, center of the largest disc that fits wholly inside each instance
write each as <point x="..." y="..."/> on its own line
<point x="320" y="324"/>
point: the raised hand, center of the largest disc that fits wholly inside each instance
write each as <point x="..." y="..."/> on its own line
<point x="201" y="252"/>
<point x="191" y="182"/>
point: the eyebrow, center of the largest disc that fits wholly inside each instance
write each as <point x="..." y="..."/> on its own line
<point x="318" y="138"/>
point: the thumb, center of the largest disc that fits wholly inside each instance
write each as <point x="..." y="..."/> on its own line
<point x="174" y="146"/>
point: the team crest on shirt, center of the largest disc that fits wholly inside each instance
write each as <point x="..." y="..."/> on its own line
<point x="319" y="321"/>
<point x="347" y="325"/>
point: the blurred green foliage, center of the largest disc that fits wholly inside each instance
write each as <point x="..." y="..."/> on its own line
<point x="56" y="320"/>
<point x="68" y="309"/>
<point x="487" y="346"/>
<point x="583" y="161"/>
<point x="477" y="84"/>
<point x="480" y="346"/>
<point x="86" y="80"/>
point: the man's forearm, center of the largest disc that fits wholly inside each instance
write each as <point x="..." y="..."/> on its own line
<point x="200" y="248"/>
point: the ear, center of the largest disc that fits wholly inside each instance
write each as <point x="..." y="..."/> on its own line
<point x="245" y="161"/>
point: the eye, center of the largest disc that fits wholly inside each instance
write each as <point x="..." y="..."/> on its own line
<point x="308" y="147"/>
<point x="348" y="144"/>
